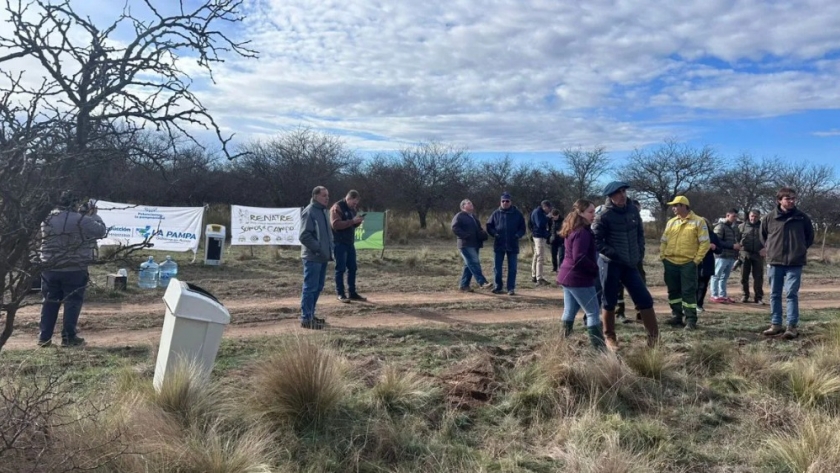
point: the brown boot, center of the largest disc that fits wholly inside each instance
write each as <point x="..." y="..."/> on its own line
<point x="608" y="321"/>
<point x="791" y="333"/>
<point x="773" y="331"/>
<point x="651" y="326"/>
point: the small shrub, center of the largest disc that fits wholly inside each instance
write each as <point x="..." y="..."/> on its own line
<point x="655" y="363"/>
<point x="609" y="382"/>
<point x="188" y="396"/>
<point x="402" y="391"/>
<point x="212" y="451"/>
<point x="301" y="385"/>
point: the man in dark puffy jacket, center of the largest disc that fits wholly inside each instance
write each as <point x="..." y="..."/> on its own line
<point x="471" y="239"/>
<point x="786" y="233"/>
<point x="752" y="257"/>
<point x="540" y="226"/>
<point x="558" y="249"/>
<point x="620" y="239"/>
<point x="727" y="231"/>
<point x="67" y="248"/>
<point x="506" y="225"/>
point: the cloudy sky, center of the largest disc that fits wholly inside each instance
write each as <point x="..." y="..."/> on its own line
<point x="533" y="77"/>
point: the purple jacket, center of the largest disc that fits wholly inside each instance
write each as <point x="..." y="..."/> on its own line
<point x="579" y="267"/>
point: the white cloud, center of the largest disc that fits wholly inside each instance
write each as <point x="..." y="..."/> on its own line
<point x="524" y="75"/>
<point x="827" y="133"/>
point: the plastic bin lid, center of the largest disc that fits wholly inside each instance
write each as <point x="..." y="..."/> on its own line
<point x="189" y="301"/>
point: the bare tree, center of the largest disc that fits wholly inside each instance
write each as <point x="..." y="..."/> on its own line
<point x="96" y="89"/>
<point x="748" y="184"/>
<point x="431" y="177"/>
<point x="811" y="182"/>
<point x="585" y="169"/>
<point x="669" y="170"/>
<point x="289" y="166"/>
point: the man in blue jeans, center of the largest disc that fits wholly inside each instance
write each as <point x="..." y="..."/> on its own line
<point x="506" y="225"/>
<point x="786" y="233"/>
<point x="344" y="219"/>
<point x="316" y="251"/>
<point x="67" y="248"/>
<point x="471" y="238"/>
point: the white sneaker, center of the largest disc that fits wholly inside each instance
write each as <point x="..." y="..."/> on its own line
<point x="700" y="309"/>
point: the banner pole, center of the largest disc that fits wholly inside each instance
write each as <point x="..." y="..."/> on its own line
<point x="384" y="233"/>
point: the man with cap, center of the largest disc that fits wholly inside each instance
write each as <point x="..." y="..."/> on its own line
<point x="540" y="226"/>
<point x="506" y="225"/>
<point x="620" y="239"/>
<point x="685" y="243"/>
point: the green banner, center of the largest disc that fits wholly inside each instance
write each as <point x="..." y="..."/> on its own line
<point x="370" y="235"/>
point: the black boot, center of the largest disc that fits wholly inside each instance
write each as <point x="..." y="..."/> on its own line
<point x="676" y="320"/>
<point x="567" y="328"/>
<point x="596" y="337"/>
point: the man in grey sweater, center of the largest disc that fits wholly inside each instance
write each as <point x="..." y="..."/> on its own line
<point x="316" y="240"/>
<point x="68" y="239"/>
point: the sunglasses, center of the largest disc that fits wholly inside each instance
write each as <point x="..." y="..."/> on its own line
<point x="505" y="201"/>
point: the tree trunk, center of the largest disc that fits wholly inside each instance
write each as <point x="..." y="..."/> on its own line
<point x="422" y="214"/>
<point x="8" y="327"/>
<point x="825" y="232"/>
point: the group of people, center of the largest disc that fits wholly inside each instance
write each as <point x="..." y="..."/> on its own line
<point x="604" y="251"/>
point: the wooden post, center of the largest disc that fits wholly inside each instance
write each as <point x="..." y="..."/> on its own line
<point x="384" y="233"/>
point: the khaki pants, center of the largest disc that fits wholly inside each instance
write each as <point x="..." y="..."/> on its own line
<point x="537" y="262"/>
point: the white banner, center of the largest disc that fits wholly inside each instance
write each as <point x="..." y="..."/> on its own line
<point x="170" y="228"/>
<point x="263" y="226"/>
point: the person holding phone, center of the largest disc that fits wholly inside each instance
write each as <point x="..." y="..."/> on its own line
<point x="344" y="218"/>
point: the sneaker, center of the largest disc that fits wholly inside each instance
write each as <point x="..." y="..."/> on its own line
<point x="730" y="300"/>
<point x="543" y="282"/>
<point x="700" y="309"/>
<point x="466" y="289"/>
<point x="44" y="343"/>
<point x="534" y="280"/>
<point x="497" y="291"/>
<point x="72" y="342"/>
<point x="487" y="285"/>
<point x="344" y="299"/>
<point x="790" y="333"/>
<point x="759" y="301"/>
<point x="511" y="293"/>
<point x="356" y="297"/>
<point x="745" y="299"/>
<point x="313" y="324"/>
<point x="719" y="300"/>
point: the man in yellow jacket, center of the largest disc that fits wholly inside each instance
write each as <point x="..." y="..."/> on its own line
<point x="684" y="244"/>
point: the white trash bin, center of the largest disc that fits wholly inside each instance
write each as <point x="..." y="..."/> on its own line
<point x="214" y="244"/>
<point x="192" y="329"/>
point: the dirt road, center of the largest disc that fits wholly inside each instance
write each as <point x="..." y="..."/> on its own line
<point x="101" y="322"/>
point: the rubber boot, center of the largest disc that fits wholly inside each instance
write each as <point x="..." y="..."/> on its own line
<point x="608" y="321"/>
<point x="567" y="328"/>
<point x="651" y="326"/>
<point x="596" y="337"/>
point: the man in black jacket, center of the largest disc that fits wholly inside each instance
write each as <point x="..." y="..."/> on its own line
<point x="786" y="233"/>
<point x="620" y="239"/>
<point x="558" y="250"/>
<point x="752" y="257"/>
<point x="471" y="239"/>
<point x="506" y="225"/>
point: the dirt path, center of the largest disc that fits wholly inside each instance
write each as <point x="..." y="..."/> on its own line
<point x="384" y="309"/>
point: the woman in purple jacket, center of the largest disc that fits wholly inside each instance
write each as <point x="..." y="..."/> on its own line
<point x="579" y="270"/>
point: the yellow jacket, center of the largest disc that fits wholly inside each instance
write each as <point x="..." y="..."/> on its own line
<point x="685" y="239"/>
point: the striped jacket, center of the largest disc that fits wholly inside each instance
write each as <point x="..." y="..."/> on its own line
<point x="685" y="240"/>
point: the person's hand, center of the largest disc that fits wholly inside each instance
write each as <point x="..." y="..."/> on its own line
<point x="736" y="246"/>
<point x="358" y="219"/>
<point x="712" y="246"/>
<point x="763" y="252"/>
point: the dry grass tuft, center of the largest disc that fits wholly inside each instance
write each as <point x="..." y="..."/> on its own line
<point x="813" y="447"/>
<point x="656" y="363"/>
<point x="402" y="390"/>
<point x="711" y="357"/>
<point x="813" y="386"/>
<point x="301" y="385"/>
<point x="188" y="396"/>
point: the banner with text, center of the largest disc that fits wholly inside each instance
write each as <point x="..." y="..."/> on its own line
<point x="168" y="228"/>
<point x="370" y="235"/>
<point x="264" y="226"/>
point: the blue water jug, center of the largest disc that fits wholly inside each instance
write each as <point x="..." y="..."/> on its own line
<point x="148" y="276"/>
<point x="168" y="270"/>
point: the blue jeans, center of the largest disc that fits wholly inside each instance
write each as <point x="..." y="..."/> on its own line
<point x="787" y="278"/>
<point x="345" y="260"/>
<point x="613" y="275"/>
<point x="576" y="298"/>
<point x="472" y="268"/>
<point x="314" y="275"/>
<point x="59" y="287"/>
<point x="723" y="268"/>
<point x="512" y="259"/>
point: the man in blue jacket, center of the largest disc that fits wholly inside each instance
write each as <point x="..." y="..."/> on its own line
<point x="540" y="225"/>
<point x="506" y="225"/>
<point x="316" y="250"/>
